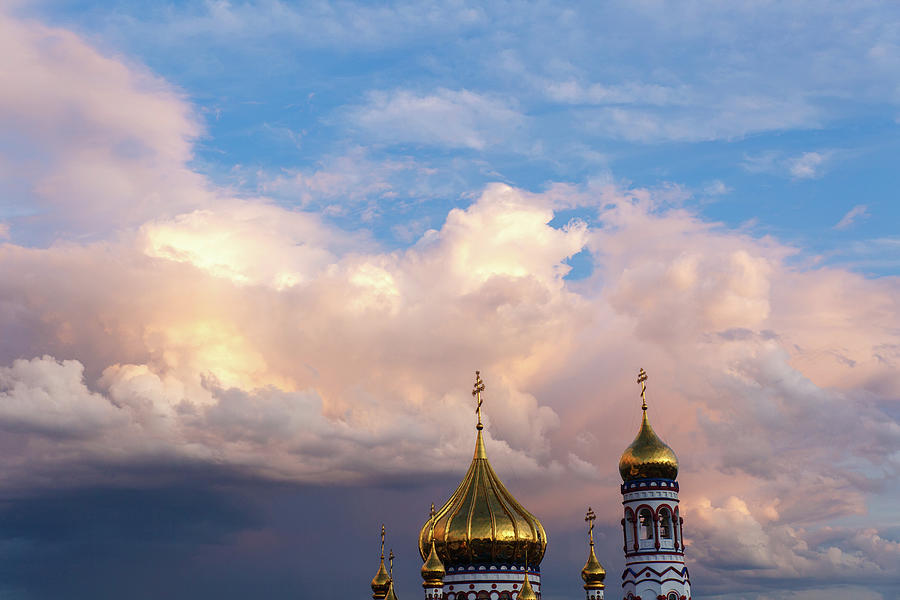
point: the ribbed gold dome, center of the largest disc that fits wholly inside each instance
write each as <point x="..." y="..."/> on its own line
<point x="593" y="572"/>
<point x="433" y="570"/>
<point x="482" y="524"/>
<point x="648" y="457"/>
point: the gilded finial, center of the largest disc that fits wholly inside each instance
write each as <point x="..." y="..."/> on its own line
<point x="381" y="582"/>
<point x="642" y="379"/>
<point x="527" y="592"/>
<point x="476" y="393"/>
<point x="590" y="517"/>
<point x="433" y="570"/>
<point x="593" y="572"/>
<point x="391" y="564"/>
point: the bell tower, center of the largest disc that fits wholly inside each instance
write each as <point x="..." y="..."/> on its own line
<point x="652" y="525"/>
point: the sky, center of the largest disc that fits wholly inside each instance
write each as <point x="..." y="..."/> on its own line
<point x="251" y="254"/>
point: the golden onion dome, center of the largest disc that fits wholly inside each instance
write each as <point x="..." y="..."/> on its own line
<point x="648" y="457"/>
<point x="593" y="572"/>
<point x="482" y="523"/>
<point x="527" y="592"/>
<point x="382" y="580"/>
<point x="433" y="570"/>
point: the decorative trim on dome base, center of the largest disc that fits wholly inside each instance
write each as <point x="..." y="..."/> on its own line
<point x="518" y="569"/>
<point x="649" y="484"/>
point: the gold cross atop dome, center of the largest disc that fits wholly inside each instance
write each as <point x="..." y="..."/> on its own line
<point x="476" y="393"/>
<point x="590" y="517"/>
<point x="391" y="563"/>
<point x="642" y="379"/>
<point x="382" y="542"/>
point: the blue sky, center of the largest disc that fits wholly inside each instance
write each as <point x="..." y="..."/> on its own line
<point x="777" y="118"/>
<point x="251" y="253"/>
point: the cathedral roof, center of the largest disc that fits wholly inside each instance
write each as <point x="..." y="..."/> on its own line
<point x="482" y="523"/>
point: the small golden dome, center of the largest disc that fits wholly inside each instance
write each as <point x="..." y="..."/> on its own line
<point x="391" y="595"/>
<point x="527" y="592"/>
<point x="381" y="582"/>
<point x="648" y="457"/>
<point x="481" y="523"/>
<point x="433" y="570"/>
<point x="593" y="572"/>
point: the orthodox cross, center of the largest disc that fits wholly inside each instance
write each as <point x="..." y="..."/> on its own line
<point x="476" y="393"/>
<point x="382" y="542"/>
<point x="391" y="568"/>
<point x="642" y="379"/>
<point x="590" y="517"/>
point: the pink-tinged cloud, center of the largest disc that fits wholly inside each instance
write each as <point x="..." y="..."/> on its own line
<point x="197" y="329"/>
<point x="97" y="142"/>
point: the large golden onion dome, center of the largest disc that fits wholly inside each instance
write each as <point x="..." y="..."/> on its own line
<point x="482" y="523"/>
<point x="648" y="457"/>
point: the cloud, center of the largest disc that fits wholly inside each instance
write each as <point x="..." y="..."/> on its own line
<point x="860" y="211"/>
<point x="96" y="142"/>
<point x="365" y="27"/>
<point x="359" y="185"/>
<point x="49" y="398"/>
<point x="809" y="165"/>
<point x="197" y="355"/>
<point x="731" y="118"/>
<point x="868" y="255"/>
<point x="716" y="187"/>
<point x="445" y="118"/>
<point x="249" y="243"/>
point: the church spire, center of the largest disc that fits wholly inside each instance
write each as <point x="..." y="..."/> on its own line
<point x="381" y="581"/>
<point x="593" y="572"/>
<point x="433" y="569"/>
<point x="651" y="526"/>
